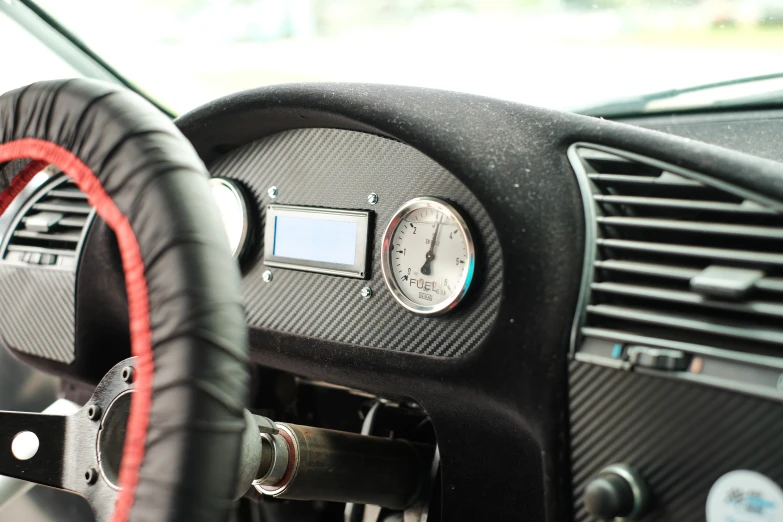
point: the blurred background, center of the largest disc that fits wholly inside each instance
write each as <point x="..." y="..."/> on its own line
<point x="566" y="54"/>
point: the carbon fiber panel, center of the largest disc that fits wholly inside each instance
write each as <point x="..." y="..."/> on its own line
<point x="681" y="436"/>
<point x="338" y="169"/>
<point x="37" y="311"/>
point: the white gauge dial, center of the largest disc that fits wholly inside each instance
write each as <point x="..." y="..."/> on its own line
<point x="428" y="256"/>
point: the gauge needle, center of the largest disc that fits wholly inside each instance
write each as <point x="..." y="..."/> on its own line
<point x="425" y="268"/>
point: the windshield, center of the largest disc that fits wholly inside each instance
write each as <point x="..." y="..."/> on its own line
<point x="565" y="54"/>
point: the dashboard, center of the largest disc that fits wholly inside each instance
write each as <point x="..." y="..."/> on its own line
<point x="570" y="300"/>
<point x="320" y="175"/>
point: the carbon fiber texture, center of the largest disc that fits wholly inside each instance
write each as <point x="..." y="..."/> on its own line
<point x="338" y="169"/>
<point x="681" y="436"/>
<point x="37" y="311"/>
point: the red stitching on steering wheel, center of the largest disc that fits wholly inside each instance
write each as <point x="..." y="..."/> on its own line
<point x="42" y="153"/>
<point x="19" y="182"/>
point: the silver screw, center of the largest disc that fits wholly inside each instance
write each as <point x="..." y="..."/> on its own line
<point x="272" y="192"/>
<point x="91" y="476"/>
<point x="367" y="292"/>
<point x="372" y="199"/>
<point x="127" y="374"/>
<point x="94" y="412"/>
<point x="266" y="276"/>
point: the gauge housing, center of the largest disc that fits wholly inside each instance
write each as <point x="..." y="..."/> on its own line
<point x="452" y="300"/>
<point x="234" y="212"/>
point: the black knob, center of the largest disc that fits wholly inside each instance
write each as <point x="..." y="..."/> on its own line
<point x="609" y="496"/>
<point x="617" y="492"/>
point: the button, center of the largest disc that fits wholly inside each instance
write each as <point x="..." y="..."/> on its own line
<point x="725" y="282"/>
<point x="42" y="221"/>
<point x="26" y="257"/>
<point x="609" y="496"/>
<point x="35" y="258"/>
<point x="658" y="358"/>
<point x="48" y="259"/>
<point x="617" y="492"/>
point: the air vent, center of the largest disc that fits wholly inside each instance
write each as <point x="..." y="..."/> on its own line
<point x="51" y="227"/>
<point x="681" y="262"/>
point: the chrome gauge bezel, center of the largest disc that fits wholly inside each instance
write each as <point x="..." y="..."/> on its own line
<point x="241" y="210"/>
<point x="386" y="267"/>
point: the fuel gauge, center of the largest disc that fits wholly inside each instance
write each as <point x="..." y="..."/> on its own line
<point x="428" y="256"/>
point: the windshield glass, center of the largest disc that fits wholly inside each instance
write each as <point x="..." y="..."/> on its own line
<point x="565" y="54"/>
<point x="36" y="63"/>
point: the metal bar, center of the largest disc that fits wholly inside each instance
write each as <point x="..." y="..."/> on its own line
<point x="12" y="488"/>
<point x="663" y="181"/>
<point x="691" y="298"/>
<point x="45" y="465"/>
<point x="696" y="324"/>
<point x="722" y="254"/>
<point x="347" y="467"/>
<point x="769" y="284"/>
<point x="746" y="207"/>
<point x="694" y="226"/>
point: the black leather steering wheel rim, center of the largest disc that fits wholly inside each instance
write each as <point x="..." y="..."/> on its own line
<point x="187" y="327"/>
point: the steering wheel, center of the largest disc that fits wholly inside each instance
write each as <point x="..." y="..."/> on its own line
<point x="188" y="379"/>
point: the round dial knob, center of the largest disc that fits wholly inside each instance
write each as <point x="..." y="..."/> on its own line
<point x="617" y="492"/>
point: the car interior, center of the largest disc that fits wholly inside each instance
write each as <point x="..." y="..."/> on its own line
<point x="223" y="309"/>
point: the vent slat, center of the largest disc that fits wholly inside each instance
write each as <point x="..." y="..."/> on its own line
<point x="690" y="298"/>
<point x="70" y="222"/>
<point x="669" y="181"/>
<point x="73" y="222"/>
<point x="44" y="236"/>
<point x="737" y="330"/>
<point x="746" y="207"/>
<point x="41" y="250"/>
<point x="768" y="284"/>
<point x="648" y="269"/>
<point x="720" y="254"/>
<point x="67" y="193"/>
<point x="63" y="207"/>
<point x="699" y="227"/>
<point x="599" y="155"/>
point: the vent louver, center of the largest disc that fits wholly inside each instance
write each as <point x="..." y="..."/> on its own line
<point x="51" y="227"/>
<point x="680" y="258"/>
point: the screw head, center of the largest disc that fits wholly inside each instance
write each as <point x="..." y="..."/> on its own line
<point x="127" y="374"/>
<point x="367" y="292"/>
<point x="272" y="192"/>
<point x="266" y="276"/>
<point x="94" y="412"/>
<point x="372" y="199"/>
<point x="91" y="476"/>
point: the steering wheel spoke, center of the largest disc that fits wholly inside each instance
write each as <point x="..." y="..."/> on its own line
<point x="80" y="452"/>
<point x="33" y="447"/>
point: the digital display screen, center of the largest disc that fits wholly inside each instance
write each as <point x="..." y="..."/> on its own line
<point x="315" y="239"/>
<point x="330" y="241"/>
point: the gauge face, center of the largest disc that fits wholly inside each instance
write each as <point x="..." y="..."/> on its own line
<point x="428" y="256"/>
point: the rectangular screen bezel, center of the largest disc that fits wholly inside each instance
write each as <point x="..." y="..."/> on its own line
<point x="360" y="217"/>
